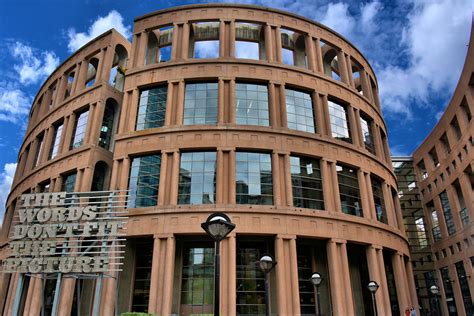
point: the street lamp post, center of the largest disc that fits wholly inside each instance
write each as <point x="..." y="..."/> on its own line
<point x="217" y="226"/>
<point x="266" y="264"/>
<point x="434" y="289"/>
<point x="316" y="279"/>
<point x="373" y="287"/>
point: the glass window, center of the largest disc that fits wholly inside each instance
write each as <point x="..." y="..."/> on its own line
<point x="200" y="103"/>
<point x="434" y="156"/>
<point x="142" y="276"/>
<point x="434" y="222"/>
<point x="307" y="183"/>
<point x="421" y="232"/>
<point x="463" y="284"/>
<point x="293" y="48"/>
<point x="339" y="122"/>
<point x="204" y="40"/>
<point x="254" y="178"/>
<point x="106" y="132"/>
<point x="349" y="190"/>
<point x="448" y="216"/>
<point x="152" y="108"/>
<point x="39" y="149"/>
<point x="367" y="134"/>
<point x="58" y="130"/>
<point x="69" y="181"/>
<point x="144" y="181"/>
<point x="70" y="81"/>
<point x="378" y="200"/>
<point x="455" y="126"/>
<point x="448" y="291"/>
<point x="250" y="279"/>
<point x="197" y="279"/>
<point x="197" y="178"/>
<point x="299" y="110"/>
<point x="252" y="104"/>
<point x="79" y="131"/>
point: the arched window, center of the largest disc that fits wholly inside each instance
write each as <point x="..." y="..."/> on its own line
<point x="249" y="41"/>
<point x="159" y="45"/>
<point x="117" y="73"/>
<point x="330" y="62"/>
<point x="293" y="48"/>
<point x="100" y="178"/>
<point x="92" y="71"/>
<point x="108" y="124"/>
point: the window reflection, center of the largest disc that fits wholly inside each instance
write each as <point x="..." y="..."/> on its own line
<point x="349" y="190"/>
<point x="197" y="178"/>
<point x="252" y="104"/>
<point x="254" y="178"/>
<point x="152" y="108"/>
<point x="306" y="182"/>
<point x="299" y="109"/>
<point x="200" y="103"/>
<point x="79" y="131"/>
<point x="339" y="121"/>
<point x="367" y="134"/>
<point x="144" y="181"/>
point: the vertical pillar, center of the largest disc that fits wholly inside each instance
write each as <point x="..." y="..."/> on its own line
<point x="47" y="139"/>
<point x="400" y="281"/>
<point x="231" y="39"/>
<point x="59" y="90"/>
<point x="383" y="280"/>
<point x="337" y="290"/>
<point x="364" y="83"/>
<point x="180" y="103"/>
<point x="231" y="183"/>
<point x="154" y="279"/>
<point x="95" y="133"/>
<point x="221" y="103"/>
<point x="327" y="120"/>
<point x="318" y="113"/>
<point x="370" y="194"/>
<point x="282" y="294"/>
<point x="232" y="102"/>
<point x="273" y="96"/>
<point x="378" y="142"/>
<point x="282" y="107"/>
<point x="222" y="39"/>
<point x="366" y="212"/>
<point x="276" y="179"/>
<point x="232" y="268"/>
<point x="289" y="187"/>
<point x="346" y="279"/>
<point x="163" y="178"/>
<point x="133" y="110"/>
<point x="268" y="42"/>
<point x="342" y="66"/>
<point x="175" y="50"/>
<point x="76" y="79"/>
<point x="169" y="272"/>
<point x="411" y="286"/>
<point x="335" y="186"/>
<point x="319" y="56"/>
<point x="92" y="119"/>
<point x="389" y="207"/>
<point x="309" y="43"/>
<point x="169" y="104"/>
<point x="67" y="133"/>
<point x="220" y="177"/>
<point x="354" y="129"/>
<point x="141" y="49"/>
<point x="359" y="128"/>
<point x="277" y="45"/>
<point x="185" y="41"/>
<point x="349" y="71"/>
<point x="295" y="292"/>
<point x="173" y="178"/>
<point x="100" y="66"/>
<point x="327" y="185"/>
<point x="375" y="275"/>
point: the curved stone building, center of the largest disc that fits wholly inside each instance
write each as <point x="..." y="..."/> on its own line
<point x="444" y="165"/>
<point x="267" y="116"/>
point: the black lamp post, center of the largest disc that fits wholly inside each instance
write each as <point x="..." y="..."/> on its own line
<point x="266" y="264"/>
<point x="373" y="287"/>
<point x="434" y="289"/>
<point x="316" y="279"/>
<point x="217" y="226"/>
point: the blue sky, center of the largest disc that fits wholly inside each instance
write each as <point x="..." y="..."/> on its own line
<point x="416" y="47"/>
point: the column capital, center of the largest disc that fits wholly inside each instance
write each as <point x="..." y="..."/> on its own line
<point x="285" y="236"/>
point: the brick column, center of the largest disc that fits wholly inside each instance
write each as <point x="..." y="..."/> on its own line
<point x="173" y="178"/>
<point x="319" y="56"/>
<point x="375" y="275"/>
<point x="364" y="197"/>
<point x="402" y="290"/>
<point x="132" y="110"/>
<point x="168" y="276"/>
<point x="309" y="43"/>
<point x="327" y="184"/>
<point x="155" y="277"/>
<point x="268" y="42"/>
<point x="221" y="103"/>
<point x="277" y="46"/>
<point x="141" y="49"/>
<point x="342" y="67"/>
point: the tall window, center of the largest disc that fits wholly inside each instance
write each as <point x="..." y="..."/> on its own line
<point x="204" y="40"/>
<point x="142" y="276"/>
<point x="69" y="181"/>
<point x="448" y="291"/>
<point x="39" y="149"/>
<point x="152" y="108"/>
<point x="249" y="41"/>
<point x="307" y="183"/>
<point x="197" y="278"/>
<point x="339" y="122"/>
<point x="106" y="129"/>
<point x="159" y="45"/>
<point x="144" y="181"/>
<point x="448" y="216"/>
<point x="58" y="130"/>
<point x="254" y="178"/>
<point x="455" y="125"/>
<point x="252" y="104"/>
<point x="79" y="131"/>
<point x="70" y="81"/>
<point x="464" y="285"/>
<point x="434" y="156"/>
<point x="421" y="232"/>
<point x="434" y="222"/>
<point x="250" y="279"/>
<point x="367" y="134"/>
<point x="200" y="103"/>
<point x="349" y="190"/>
<point x="197" y="178"/>
<point x="299" y="109"/>
<point x="379" y="202"/>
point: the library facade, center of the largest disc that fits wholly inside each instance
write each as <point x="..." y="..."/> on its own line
<point x="264" y="115"/>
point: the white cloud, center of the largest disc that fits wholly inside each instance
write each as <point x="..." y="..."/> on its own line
<point x="33" y="65"/>
<point x="14" y="104"/>
<point x="368" y="13"/>
<point x="6" y="179"/>
<point x="206" y="49"/>
<point x="337" y="17"/>
<point x="436" y="37"/>
<point x="99" y="26"/>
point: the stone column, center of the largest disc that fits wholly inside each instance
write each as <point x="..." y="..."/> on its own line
<point x="383" y="280"/>
<point x="133" y="110"/>
<point x="319" y="56"/>
<point x="231" y="39"/>
<point x="318" y="114"/>
<point x="349" y="70"/>
<point x="185" y="41"/>
<point x="47" y="139"/>
<point x="169" y="105"/>
<point x="335" y="186"/>
<point x="370" y="194"/>
<point x="66" y="136"/>
<point x="365" y="201"/>
<point x="268" y="42"/>
<point x="273" y="95"/>
<point x="276" y="179"/>
<point x="173" y="178"/>
<point x="412" y="286"/>
<point x="222" y="39"/>
<point x="280" y="277"/>
<point x="141" y="49"/>
<point x="180" y="103"/>
<point x="232" y="188"/>
<point x="295" y="302"/>
<point x="358" y="128"/>
<point x="232" y="102"/>
<point x="353" y="126"/>
<point x="309" y="43"/>
<point x="375" y="275"/>
<point x="288" y="183"/>
<point x="327" y="184"/>
<point x="169" y="273"/>
<point x="277" y="46"/>
<point x="219" y="177"/>
<point x="91" y="120"/>
<point x="232" y="268"/>
<point x="342" y="67"/>
<point x="154" y="282"/>
<point x="336" y="277"/>
<point x="402" y="295"/>
<point x="282" y="108"/>
<point x="163" y="178"/>
<point x="221" y="103"/>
